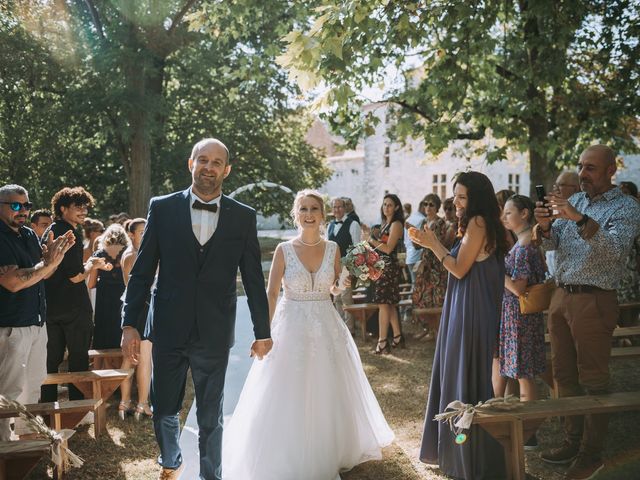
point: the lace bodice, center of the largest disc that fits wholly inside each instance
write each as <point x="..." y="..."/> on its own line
<point x="302" y="285"/>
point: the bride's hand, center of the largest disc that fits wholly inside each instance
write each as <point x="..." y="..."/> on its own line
<point x="365" y="231"/>
<point x="260" y="348"/>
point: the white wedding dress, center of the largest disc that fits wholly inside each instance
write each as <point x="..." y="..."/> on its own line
<point x="307" y="411"/>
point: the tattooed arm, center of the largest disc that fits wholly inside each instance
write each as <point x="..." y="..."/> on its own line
<point x="15" y="279"/>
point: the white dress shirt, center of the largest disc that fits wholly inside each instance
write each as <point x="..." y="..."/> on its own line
<point x="204" y="222"/>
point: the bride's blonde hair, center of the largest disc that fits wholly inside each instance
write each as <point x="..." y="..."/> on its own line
<point x="307" y="192"/>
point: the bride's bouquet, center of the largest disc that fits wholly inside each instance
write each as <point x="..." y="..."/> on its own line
<point x="364" y="263"/>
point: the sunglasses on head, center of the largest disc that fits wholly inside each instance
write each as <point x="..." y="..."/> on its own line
<point x="16" y="206"/>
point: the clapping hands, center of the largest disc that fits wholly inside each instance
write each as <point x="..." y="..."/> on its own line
<point x="425" y="238"/>
<point x="53" y="250"/>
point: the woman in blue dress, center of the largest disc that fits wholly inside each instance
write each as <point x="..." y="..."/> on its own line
<point x="468" y="330"/>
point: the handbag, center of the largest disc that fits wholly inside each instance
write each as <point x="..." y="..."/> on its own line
<point x="537" y="297"/>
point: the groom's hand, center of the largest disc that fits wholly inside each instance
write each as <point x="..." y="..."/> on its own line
<point x="130" y="344"/>
<point x="260" y="348"/>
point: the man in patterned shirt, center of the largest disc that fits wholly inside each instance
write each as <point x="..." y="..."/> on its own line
<point x="592" y="233"/>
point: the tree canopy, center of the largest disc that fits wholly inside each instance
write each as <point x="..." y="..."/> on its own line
<point x="111" y="95"/>
<point x="546" y="77"/>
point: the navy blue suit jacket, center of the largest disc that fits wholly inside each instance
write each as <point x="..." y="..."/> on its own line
<point x="190" y="295"/>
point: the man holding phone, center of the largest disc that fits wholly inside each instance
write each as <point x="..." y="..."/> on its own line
<point x="591" y="233"/>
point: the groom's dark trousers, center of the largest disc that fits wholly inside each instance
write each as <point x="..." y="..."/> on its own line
<point x="208" y="370"/>
<point x="191" y="319"/>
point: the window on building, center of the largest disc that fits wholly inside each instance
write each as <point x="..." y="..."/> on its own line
<point x="386" y="156"/>
<point x="514" y="182"/>
<point x="439" y="186"/>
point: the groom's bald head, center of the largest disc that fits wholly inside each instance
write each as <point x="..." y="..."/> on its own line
<point x="205" y="142"/>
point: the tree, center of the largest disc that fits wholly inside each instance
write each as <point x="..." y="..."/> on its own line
<point x="545" y="77"/>
<point x="130" y="86"/>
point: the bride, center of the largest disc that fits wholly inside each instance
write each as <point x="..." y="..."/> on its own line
<point x="307" y="410"/>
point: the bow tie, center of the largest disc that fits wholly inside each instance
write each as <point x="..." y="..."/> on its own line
<point x="210" y="207"/>
<point x="339" y="222"/>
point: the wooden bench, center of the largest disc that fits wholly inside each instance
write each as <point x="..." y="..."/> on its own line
<point x="617" y="332"/>
<point x="58" y="415"/>
<point x="97" y="357"/>
<point x="359" y="298"/>
<point x="361" y="313"/>
<point x="96" y="384"/>
<point x="513" y="428"/>
<point x="17" y="459"/>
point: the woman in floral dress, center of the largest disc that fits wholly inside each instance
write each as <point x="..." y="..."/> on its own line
<point x="431" y="277"/>
<point x="387" y="288"/>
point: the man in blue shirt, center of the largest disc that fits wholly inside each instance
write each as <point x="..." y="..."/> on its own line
<point x="591" y="233"/>
<point x="23" y="267"/>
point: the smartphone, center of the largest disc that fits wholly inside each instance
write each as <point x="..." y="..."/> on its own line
<point x="540" y="193"/>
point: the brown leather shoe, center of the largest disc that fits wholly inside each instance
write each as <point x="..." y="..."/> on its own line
<point x="171" y="473"/>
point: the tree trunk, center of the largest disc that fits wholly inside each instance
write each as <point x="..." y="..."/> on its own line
<point x="541" y="172"/>
<point x="146" y="82"/>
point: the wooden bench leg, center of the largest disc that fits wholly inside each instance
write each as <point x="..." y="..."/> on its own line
<point x="517" y="451"/>
<point x="363" y="325"/>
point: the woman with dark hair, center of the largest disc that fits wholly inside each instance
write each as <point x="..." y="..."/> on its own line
<point x="431" y="276"/>
<point x="387" y="288"/>
<point x="521" y="353"/>
<point x="468" y="329"/>
<point x="502" y="196"/>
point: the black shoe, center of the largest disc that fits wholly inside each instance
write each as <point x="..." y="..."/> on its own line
<point x="382" y="347"/>
<point x="398" y="341"/>
<point x="532" y="444"/>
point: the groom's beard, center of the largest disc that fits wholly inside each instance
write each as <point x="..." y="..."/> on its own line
<point x="208" y="185"/>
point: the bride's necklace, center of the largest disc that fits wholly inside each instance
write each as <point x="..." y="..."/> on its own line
<point x="309" y="244"/>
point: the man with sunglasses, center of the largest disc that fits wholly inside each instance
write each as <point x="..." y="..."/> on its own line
<point x="23" y="266"/>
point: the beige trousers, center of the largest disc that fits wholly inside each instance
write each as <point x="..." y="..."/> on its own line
<point x="23" y="368"/>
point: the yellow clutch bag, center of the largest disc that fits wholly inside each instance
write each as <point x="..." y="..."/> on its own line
<point x="537" y="297"/>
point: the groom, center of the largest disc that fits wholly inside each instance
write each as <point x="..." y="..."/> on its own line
<point x="196" y="240"/>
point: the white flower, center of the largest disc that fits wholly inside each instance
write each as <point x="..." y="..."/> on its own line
<point x="364" y="276"/>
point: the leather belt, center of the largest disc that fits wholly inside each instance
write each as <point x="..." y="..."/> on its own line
<point x="582" y="288"/>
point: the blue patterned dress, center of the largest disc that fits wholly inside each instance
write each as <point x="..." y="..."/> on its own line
<point x="522" y="353"/>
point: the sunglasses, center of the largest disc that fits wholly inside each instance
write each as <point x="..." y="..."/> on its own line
<point x="16" y="206"/>
<point x="430" y="204"/>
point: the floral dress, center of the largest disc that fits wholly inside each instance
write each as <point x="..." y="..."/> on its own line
<point x="521" y="351"/>
<point x="431" y="276"/>
<point x="387" y="288"/>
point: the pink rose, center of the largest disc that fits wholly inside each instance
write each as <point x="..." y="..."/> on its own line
<point x="374" y="274"/>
